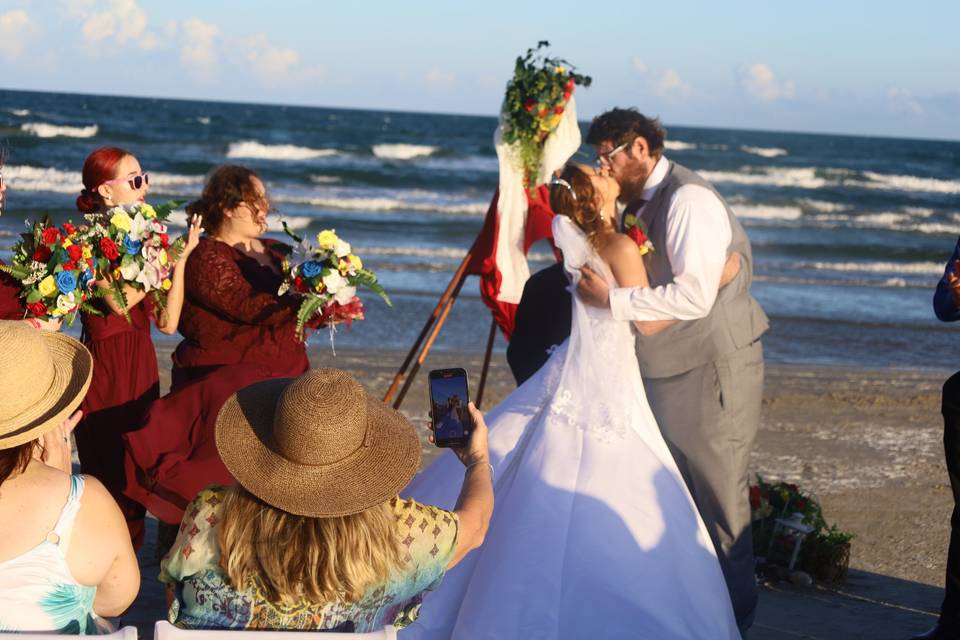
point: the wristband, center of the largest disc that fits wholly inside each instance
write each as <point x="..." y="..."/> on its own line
<point x="473" y="464"/>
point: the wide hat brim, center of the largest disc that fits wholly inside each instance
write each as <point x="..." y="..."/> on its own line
<point x="73" y="368"/>
<point x="371" y="475"/>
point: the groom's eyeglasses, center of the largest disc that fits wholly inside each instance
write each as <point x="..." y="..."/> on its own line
<point x="607" y="158"/>
<point x="136" y="182"/>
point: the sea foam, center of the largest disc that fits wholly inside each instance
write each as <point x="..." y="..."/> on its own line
<point x="257" y="150"/>
<point x="26" y="178"/>
<point x="45" y="130"/>
<point x="402" y="151"/>
<point x="766" y="152"/>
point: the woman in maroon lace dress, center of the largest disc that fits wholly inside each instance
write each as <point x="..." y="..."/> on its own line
<point x="236" y="330"/>
<point x="125" y="375"/>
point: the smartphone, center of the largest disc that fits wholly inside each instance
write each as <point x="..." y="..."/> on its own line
<point x="448" y="404"/>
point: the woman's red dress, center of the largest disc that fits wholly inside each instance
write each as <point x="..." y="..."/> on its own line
<point x="11" y="307"/>
<point x="125" y="381"/>
<point x="236" y="331"/>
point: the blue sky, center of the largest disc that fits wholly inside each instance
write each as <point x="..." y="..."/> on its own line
<point x="875" y="68"/>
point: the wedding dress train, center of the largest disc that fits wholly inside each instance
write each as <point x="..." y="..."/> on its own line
<point x="594" y="534"/>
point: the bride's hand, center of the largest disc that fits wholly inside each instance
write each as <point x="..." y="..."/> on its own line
<point x="592" y="289"/>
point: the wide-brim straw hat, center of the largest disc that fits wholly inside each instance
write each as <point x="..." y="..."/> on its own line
<point x="316" y="445"/>
<point x="43" y="378"/>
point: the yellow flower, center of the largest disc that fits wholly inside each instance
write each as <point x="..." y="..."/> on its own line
<point x="121" y="221"/>
<point x="327" y="239"/>
<point x="117" y="274"/>
<point x="67" y="243"/>
<point x="285" y="265"/>
<point x="147" y="211"/>
<point x="87" y="253"/>
<point x="560" y="70"/>
<point x="629" y="220"/>
<point x="319" y="287"/>
<point x="355" y="262"/>
<point x="343" y="266"/>
<point x="47" y="287"/>
<point x="164" y="259"/>
<point x="644" y="249"/>
<point x="166" y="284"/>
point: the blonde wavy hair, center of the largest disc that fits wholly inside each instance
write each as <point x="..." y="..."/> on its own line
<point x="292" y="557"/>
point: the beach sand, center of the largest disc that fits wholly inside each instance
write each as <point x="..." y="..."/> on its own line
<point x="867" y="443"/>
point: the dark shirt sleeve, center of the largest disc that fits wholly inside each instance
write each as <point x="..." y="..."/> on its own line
<point x="943" y="303"/>
<point x="542" y="321"/>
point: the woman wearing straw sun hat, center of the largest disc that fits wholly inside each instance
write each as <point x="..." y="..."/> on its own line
<point x="65" y="555"/>
<point x="313" y="535"/>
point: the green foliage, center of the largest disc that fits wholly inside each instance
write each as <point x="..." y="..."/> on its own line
<point x="310" y="306"/>
<point x="367" y="279"/>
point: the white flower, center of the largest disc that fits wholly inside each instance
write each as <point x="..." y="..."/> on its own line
<point x="66" y="303"/>
<point x="157" y="227"/>
<point x="138" y="227"/>
<point x="345" y="295"/>
<point x="130" y="270"/>
<point x="334" y="282"/>
<point x="150" y="277"/>
<point x="342" y="248"/>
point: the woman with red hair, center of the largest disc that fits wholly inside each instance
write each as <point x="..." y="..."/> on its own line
<point x="125" y="376"/>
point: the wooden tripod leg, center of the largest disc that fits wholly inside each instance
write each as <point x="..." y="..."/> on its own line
<point x="486" y="362"/>
<point x="428" y="344"/>
<point x="455" y="283"/>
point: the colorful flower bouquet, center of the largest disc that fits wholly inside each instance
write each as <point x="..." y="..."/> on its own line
<point x="825" y="552"/>
<point x="633" y="227"/>
<point x="536" y="98"/>
<point x="132" y="246"/>
<point x="327" y="277"/>
<point x="56" y="271"/>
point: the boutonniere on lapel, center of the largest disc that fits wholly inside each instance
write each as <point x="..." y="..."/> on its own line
<point x="633" y="227"/>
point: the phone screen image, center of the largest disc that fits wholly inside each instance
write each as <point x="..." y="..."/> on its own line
<point x="448" y="402"/>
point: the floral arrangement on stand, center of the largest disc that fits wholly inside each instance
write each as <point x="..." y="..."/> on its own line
<point x="56" y="270"/>
<point x="327" y="278"/>
<point x="132" y="247"/>
<point x="824" y="552"/>
<point x="536" y="98"/>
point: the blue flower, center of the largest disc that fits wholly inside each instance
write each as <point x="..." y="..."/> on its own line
<point x="131" y="246"/>
<point x="66" y="281"/>
<point x="86" y="277"/>
<point x="311" y="269"/>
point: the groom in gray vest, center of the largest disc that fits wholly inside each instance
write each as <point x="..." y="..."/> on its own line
<point x="704" y="373"/>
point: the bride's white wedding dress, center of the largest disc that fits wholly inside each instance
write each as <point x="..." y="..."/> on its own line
<point x="594" y="534"/>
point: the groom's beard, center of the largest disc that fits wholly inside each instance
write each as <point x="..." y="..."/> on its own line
<point x="631" y="183"/>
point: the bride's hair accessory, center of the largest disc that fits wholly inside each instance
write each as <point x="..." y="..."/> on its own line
<point x="563" y="183"/>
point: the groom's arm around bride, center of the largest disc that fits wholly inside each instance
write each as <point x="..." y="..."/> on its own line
<point x="703" y="373"/>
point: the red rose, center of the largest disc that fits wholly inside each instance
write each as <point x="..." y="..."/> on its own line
<point x="69" y="228"/>
<point x="42" y="253"/>
<point x="529" y="104"/>
<point x="164" y="240"/>
<point x="90" y="262"/>
<point x="109" y="249"/>
<point x="74" y="252"/>
<point x="566" y="96"/>
<point x="50" y="235"/>
<point x="637" y="236"/>
<point x="800" y="504"/>
<point x="570" y="85"/>
<point x="558" y="109"/>
<point x="298" y="284"/>
<point x="70" y="266"/>
<point x="37" y="309"/>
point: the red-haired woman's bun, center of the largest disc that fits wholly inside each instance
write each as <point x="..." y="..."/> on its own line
<point x="88" y="202"/>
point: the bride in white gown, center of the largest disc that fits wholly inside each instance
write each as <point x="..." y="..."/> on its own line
<point x="594" y="534"/>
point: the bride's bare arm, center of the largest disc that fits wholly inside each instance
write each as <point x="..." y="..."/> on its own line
<point x="621" y="253"/>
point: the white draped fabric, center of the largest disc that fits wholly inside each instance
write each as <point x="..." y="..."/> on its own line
<point x="594" y="533"/>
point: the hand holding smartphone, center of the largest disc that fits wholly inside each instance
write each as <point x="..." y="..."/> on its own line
<point x="449" y="414"/>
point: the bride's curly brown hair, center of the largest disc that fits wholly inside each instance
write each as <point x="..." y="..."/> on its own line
<point x="584" y="209"/>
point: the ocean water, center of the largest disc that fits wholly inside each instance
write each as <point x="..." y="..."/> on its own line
<point x="850" y="234"/>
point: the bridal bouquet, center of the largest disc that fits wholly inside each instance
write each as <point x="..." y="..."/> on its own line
<point x="633" y="227"/>
<point x="536" y="98"/>
<point x="132" y="246"/>
<point x="56" y="271"/>
<point x="327" y="278"/>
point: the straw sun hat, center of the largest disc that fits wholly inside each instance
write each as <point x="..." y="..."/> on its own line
<point x="316" y="445"/>
<point x="43" y="378"/>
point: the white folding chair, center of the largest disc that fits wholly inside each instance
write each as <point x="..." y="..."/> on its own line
<point x="123" y="633"/>
<point x="166" y="631"/>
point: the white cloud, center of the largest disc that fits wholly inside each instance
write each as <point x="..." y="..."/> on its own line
<point x="638" y="65"/>
<point x="13" y="27"/>
<point x="121" y="21"/>
<point x="198" y="51"/>
<point x="901" y="100"/>
<point x="670" y="84"/>
<point x="760" y="83"/>
<point x="270" y="65"/>
<point x="439" y="80"/>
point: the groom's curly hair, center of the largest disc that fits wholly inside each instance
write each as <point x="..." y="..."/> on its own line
<point x="625" y="125"/>
<point x="579" y="202"/>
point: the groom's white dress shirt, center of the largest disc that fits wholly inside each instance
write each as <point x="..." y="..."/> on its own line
<point x="697" y="237"/>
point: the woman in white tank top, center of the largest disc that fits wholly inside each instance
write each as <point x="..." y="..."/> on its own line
<point x="65" y="554"/>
